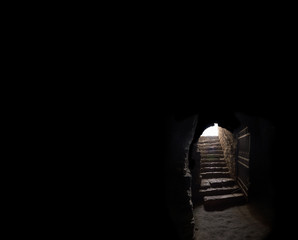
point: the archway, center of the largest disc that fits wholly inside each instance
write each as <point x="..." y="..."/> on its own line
<point x="232" y="148"/>
<point x="211" y="131"/>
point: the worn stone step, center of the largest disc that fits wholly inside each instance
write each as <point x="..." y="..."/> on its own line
<point x="210" y="160"/>
<point x="212" y="155"/>
<point x="214" y="169"/>
<point x="208" y="140"/>
<point x="207" y="158"/>
<point x="208" y="137"/>
<point x="209" y="149"/>
<point x="217" y="182"/>
<point x="212" y="151"/>
<point x="214" y="139"/>
<point x="209" y="143"/>
<point x="220" y="202"/>
<point x="219" y="191"/>
<point x="213" y="164"/>
<point x="215" y="175"/>
<point x="209" y="146"/>
<point x="221" y="163"/>
<point x="222" y="182"/>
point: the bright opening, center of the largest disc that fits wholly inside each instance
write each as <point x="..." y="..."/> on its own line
<point x="211" y="131"/>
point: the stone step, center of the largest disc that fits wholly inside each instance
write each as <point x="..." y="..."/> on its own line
<point x="215" y="175"/>
<point x="208" y="137"/>
<point x="213" y="164"/>
<point x="223" y="163"/>
<point x="204" y="152"/>
<point x="204" y="140"/>
<point x="211" y="158"/>
<point x="219" y="191"/>
<point x="211" y="152"/>
<point x="214" y="169"/>
<point x="216" y="159"/>
<point x="207" y="158"/>
<point x="217" y="182"/>
<point x="212" y="155"/>
<point x="220" y="202"/>
<point x="208" y="148"/>
<point x="209" y="142"/>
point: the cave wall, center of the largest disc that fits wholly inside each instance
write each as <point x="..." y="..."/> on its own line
<point x="178" y="175"/>
<point x="272" y="150"/>
<point x="183" y="160"/>
<point x="195" y="159"/>
<point x="229" y="145"/>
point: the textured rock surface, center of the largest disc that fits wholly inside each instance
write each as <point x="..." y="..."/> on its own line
<point x="178" y="177"/>
<point x="229" y="144"/>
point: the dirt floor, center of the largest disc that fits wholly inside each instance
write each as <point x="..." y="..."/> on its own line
<point x="237" y="223"/>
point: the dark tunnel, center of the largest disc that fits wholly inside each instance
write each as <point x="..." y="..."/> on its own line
<point x="143" y="181"/>
<point x="262" y="177"/>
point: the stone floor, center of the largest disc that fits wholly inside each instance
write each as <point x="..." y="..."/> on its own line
<point x="237" y="223"/>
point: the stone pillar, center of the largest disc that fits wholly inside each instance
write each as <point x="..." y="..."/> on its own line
<point x="178" y="176"/>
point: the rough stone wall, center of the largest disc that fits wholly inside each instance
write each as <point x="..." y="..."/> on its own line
<point x="229" y="146"/>
<point x="178" y="178"/>
<point x="195" y="157"/>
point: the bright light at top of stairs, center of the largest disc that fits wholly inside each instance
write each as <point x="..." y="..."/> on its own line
<point x="211" y="131"/>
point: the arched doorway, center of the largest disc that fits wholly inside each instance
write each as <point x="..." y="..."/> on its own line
<point x="229" y="151"/>
<point x="216" y="184"/>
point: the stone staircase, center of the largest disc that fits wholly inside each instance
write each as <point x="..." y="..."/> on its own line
<point x="218" y="190"/>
